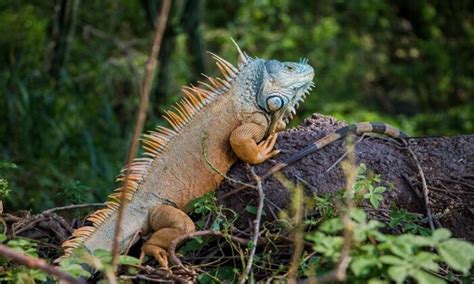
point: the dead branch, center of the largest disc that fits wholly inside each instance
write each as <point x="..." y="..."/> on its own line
<point x="37" y="263"/>
<point x="73" y="206"/>
<point x="257" y="221"/>
<point x="140" y="120"/>
<point x="424" y="186"/>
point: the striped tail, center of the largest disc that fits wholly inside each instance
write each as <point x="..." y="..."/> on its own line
<point x="357" y="129"/>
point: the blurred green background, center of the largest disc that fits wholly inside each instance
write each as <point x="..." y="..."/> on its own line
<point x="70" y="72"/>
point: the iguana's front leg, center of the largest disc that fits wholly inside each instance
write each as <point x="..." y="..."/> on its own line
<point x="167" y="223"/>
<point x="244" y="141"/>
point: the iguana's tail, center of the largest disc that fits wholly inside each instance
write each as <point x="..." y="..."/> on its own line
<point x="357" y="128"/>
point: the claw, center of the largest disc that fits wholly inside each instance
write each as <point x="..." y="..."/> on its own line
<point x="160" y="254"/>
<point x="266" y="150"/>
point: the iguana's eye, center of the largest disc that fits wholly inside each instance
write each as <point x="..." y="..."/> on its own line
<point x="274" y="103"/>
<point x="289" y="68"/>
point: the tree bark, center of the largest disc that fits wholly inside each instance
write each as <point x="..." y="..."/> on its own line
<point x="62" y="32"/>
<point x="447" y="163"/>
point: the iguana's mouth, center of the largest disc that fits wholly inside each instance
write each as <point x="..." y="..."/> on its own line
<point x="281" y="118"/>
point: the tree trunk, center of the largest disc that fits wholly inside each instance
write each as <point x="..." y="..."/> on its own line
<point x="447" y="163"/>
<point x="62" y="31"/>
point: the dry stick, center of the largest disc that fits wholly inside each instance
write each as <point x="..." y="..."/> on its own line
<point x="424" y="185"/>
<point x="37" y="263"/>
<point x="73" y="206"/>
<point x="339" y="273"/>
<point x="257" y="221"/>
<point x="298" y="211"/>
<point x="179" y="240"/>
<point x="140" y="120"/>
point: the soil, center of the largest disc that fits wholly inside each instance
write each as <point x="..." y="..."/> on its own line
<point x="447" y="163"/>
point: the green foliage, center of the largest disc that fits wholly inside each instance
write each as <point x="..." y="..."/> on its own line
<point x="407" y="221"/>
<point x="205" y="206"/>
<point x="100" y="260"/>
<point x="74" y="192"/>
<point x="5" y="190"/>
<point x="367" y="188"/>
<point x="381" y="256"/>
<point x="12" y="273"/>
<point x="226" y="274"/>
<point x="378" y="256"/>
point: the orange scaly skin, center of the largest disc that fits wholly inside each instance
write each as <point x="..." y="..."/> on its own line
<point x="214" y="125"/>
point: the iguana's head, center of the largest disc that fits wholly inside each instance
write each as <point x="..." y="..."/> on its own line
<point x="284" y="86"/>
<point x="273" y="87"/>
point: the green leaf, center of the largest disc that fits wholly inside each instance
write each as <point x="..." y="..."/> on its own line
<point x="3" y="238"/>
<point x="362" y="265"/>
<point x="128" y="260"/>
<point x="441" y="235"/>
<point x="75" y="270"/>
<point x="457" y="254"/>
<point x="390" y="259"/>
<point x="375" y="200"/>
<point x="193" y="245"/>
<point x="332" y="226"/>
<point x="423" y="277"/>
<point x="426" y="260"/>
<point x="397" y="273"/>
<point x="380" y="189"/>
<point x="103" y="255"/>
<point x="358" y="215"/>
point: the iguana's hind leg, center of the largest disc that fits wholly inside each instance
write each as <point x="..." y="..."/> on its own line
<point x="168" y="223"/>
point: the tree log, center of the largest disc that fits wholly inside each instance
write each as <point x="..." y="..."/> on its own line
<point x="447" y="163"/>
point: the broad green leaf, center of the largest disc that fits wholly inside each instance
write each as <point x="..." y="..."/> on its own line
<point x="441" y="235"/>
<point x="398" y="273"/>
<point x="392" y="260"/>
<point x="126" y="259"/>
<point x="423" y="277"/>
<point x="75" y="270"/>
<point x="358" y="215"/>
<point x="457" y="254"/>
<point x="426" y="260"/>
<point x="332" y="226"/>
<point x="362" y="265"/>
<point x="375" y="200"/>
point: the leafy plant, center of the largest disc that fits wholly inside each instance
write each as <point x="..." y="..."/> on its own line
<point x="367" y="188"/>
<point x="407" y="221"/>
<point x="74" y="192"/>
<point x="13" y="273"/>
<point x="100" y="260"/>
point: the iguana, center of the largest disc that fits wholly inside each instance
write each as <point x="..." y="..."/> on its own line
<point x="216" y="123"/>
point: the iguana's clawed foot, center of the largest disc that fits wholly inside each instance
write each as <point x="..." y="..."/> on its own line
<point x="159" y="253"/>
<point x="168" y="223"/>
<point x="265" y="149"/>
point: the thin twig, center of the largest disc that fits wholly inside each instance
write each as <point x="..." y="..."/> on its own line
<point x="177" y="242"/>
<point x="73" y="206"/>
<point x="181" y="239"/>
<point x="299" y="236"/>
<point x="37" y="263"/>
<point x="257" y="221"/>
<point x="140" y="120"/>
<point x="424" y="185"/>
<point x="345" y="153"/>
